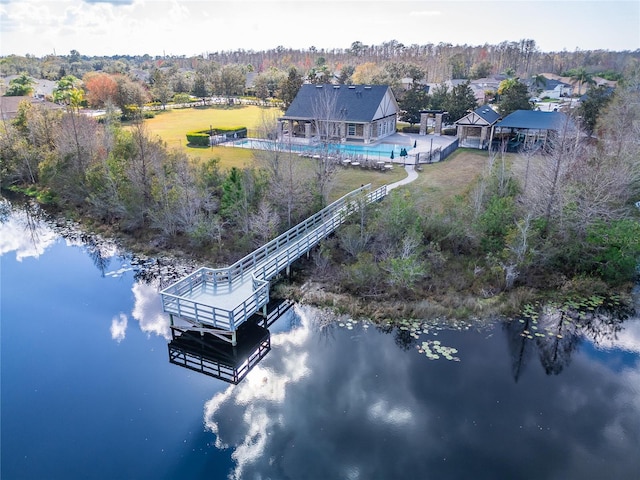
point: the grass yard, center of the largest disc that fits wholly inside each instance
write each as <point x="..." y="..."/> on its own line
<point x="440" y="182"/>
<point x="436" y="184"/>
<point x="172" y="126"/>
<point x="350" y="178"/>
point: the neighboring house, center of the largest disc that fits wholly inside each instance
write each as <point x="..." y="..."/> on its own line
<point x="556" y="89"/>
<point x="479" y="86"/>
<point x="41" y="88"/>
<point x="9" y="105"/>
<point x="530" y="129"/>
<point x="142" y="75"/>
<point x="482" y="86"/>
<point x="44" y="88"/>
<point x="408" y="83"/>
<point x="580" y="88"/>
<point x="474" y="129"/>
<point x="340" y="113"/>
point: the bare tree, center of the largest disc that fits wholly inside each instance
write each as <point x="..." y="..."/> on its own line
<point x="288" y="180"/>
<point x="546" y="194"/>
<point x="327" y="120"/>
<point x="263" y="223"/>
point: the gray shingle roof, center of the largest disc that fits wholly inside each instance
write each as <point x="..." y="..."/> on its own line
<point x="487" y="113"/>
<point x="354" y="103"/>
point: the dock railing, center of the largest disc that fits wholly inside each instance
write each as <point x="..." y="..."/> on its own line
<point x="262" y="264"/>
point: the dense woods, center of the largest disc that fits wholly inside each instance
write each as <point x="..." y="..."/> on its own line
<point x="438" y="62"/>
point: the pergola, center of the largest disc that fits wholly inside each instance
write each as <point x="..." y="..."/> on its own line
<point x="529" y="128"/>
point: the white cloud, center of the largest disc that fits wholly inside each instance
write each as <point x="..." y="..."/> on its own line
<point x="627" y="339"/>
<point x="382" y="411"/>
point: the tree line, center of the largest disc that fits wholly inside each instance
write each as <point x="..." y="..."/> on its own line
<point x="441" y="61"/>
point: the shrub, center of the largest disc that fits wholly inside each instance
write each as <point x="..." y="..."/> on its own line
<point x="411" y="129"/>
<point x="200" y="138"/>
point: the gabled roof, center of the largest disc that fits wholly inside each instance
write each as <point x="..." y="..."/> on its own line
<point x="9" y="105"/>
<point x="354" y="103"/>
<point x="535" y="120"/>
<point x="550" y="84"/>
<point x="481" y="116"/>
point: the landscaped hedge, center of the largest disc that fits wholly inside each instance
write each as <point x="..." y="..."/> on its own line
<point x="411" y="129"/>
<point x="200" y="138"/>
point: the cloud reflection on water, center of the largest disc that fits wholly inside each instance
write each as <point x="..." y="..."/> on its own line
<point x="366" y="409"/>
<point x="27" y="237"/>
<point x="119" y="327"/>
<point x="147" y="310"/>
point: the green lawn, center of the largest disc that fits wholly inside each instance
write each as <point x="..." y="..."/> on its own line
<point x="440" y="182"/>
<point x="436" y="184"/>
<point x="172" y="126"/>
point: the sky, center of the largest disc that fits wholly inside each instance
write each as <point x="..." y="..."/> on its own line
<point x="195" y="27"/>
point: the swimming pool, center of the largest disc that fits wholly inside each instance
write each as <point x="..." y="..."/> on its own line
<point x="380" y="151"/>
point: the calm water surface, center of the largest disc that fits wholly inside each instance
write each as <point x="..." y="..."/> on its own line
<point x="88" y="391"/>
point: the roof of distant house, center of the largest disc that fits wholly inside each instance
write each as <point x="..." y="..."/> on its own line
<point x="550" y="84"/>
<point x="535" y="120"/>
<point x="355" y="103"/>
<point x="9" y="105"/>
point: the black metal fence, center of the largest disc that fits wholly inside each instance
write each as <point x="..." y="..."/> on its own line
<point x="438" y="154"/>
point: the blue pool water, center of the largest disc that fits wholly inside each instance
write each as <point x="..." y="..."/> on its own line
<point x="380" y="150"/>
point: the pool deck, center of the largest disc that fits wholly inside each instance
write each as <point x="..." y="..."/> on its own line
<point x="424" y="144"/>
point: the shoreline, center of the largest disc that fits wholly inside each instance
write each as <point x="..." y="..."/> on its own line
<point x="167" y="264"/>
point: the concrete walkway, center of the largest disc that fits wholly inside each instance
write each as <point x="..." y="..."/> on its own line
<point x="411" y="176"/>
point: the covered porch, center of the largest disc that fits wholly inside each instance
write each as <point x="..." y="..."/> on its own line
<point x="312" y="130"/>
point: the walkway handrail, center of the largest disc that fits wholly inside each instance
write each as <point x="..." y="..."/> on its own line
<point x="246" y="264"/>
<point x="263" y="264"/>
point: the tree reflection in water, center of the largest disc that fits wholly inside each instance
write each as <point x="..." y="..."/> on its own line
<point x="556" y="331"/>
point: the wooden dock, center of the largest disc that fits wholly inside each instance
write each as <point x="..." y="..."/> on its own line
<point x="218" y="301"/>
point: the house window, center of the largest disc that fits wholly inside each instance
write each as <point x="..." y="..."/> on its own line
<point x="351" y="129"/>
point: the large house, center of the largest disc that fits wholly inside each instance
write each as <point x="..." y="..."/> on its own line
<point x="340" y="113"/>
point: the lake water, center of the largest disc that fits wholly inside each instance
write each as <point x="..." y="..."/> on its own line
<point x="88" y="391"/>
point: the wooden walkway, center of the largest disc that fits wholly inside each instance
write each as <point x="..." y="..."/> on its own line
<point x="219" y="300"/>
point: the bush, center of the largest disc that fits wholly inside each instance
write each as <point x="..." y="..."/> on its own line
<point x="200" y="138"/>
<point x="240" y="132"/>
<point x="411" y="129"/>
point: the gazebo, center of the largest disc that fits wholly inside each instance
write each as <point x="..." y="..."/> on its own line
<point x="475" y="127"/>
